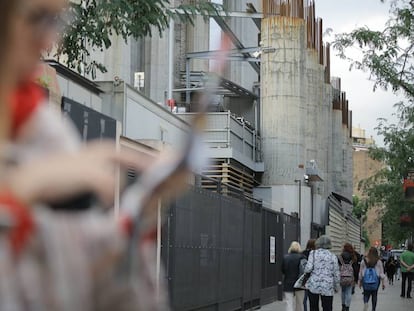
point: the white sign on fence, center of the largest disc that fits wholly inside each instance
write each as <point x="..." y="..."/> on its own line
<point x="272" y="249"/>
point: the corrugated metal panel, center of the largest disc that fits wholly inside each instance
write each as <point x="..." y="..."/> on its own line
<point x="337" y="230"/>
<point x="354" y="233"/>
<point x="342" y="228"/>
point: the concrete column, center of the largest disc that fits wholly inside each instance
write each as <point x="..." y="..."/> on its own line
<point x="284" y="100"/>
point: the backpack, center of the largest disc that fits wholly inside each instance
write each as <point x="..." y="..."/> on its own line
<point x="346" y="273"/>
<point x="370" y="280"/>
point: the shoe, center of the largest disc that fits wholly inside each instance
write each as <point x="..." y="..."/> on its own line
<point x="409" y="297"/>
<point x="402" y="296"/>
<point x="365" y="307"/>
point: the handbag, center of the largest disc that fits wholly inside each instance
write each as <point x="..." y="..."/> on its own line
<point x="303" y="279"/>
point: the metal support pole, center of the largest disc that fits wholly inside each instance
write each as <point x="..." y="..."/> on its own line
<point x="312" y="208"/>
<point x="299" y="181"/>
<point x="171" y="59"/>
<point x="187" y="81"/>
<point x="159" y="225"/>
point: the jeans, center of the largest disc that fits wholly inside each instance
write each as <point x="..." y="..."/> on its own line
<point x="305" y="301"/>
<point x="406" y="276"/>
<point x="346" y="295"/>
<point x="327" y="302"/>
<point x="374" y="294"/>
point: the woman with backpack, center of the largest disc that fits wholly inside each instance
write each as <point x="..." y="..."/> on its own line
<point x="348" y="266"/>
<point x="291" y="269"/>
<point x="371" y="275"/>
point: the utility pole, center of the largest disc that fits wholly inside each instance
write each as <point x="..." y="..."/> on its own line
<point x="171" y="40"/>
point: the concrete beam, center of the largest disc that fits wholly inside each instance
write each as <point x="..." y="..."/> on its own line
<point x="228" y="14"/>
<point x="215" y="52"/>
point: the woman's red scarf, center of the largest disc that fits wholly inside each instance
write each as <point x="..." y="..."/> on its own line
<point x="24" y="102"/>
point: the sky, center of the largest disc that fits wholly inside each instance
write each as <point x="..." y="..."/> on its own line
<point x="344" y="16"/>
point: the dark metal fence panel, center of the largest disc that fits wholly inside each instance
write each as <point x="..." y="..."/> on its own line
<point x="231" y="259"/>
<point x="195" y="251"/>
<point x="251" y="258"/>
<point x="272" y="236"/>
<point x="291" y="231"/>
<point x="212" y="252"/>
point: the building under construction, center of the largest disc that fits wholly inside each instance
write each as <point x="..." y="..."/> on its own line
<point x="279" y="138"/>
<point x="280" y="128"/>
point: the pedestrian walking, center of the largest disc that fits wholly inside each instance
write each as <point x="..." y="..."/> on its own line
<point x="348" y="262"/>
<point x="371" y="275"/>
<point x="324" y="275"/>
<point x="291" y="269"/>
<point x="407" y="270"/>
<point x="390" y="269"/>
<point x="398" y="264"/>
<point x="357" y="266"/>
<point x="310" y="246"/>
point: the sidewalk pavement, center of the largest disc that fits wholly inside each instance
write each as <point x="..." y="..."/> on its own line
<point x="388" y="300"/>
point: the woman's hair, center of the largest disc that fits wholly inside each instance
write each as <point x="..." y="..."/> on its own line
<point x="372" y="256"/>
<point x="8" y="10"/>
<point x="294" y="248"/>
<point x="311" y="244"/>
<point x="323" y="242"/>
<point x="350" y="249"/>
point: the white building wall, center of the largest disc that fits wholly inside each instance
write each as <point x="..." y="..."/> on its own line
<point x="142" y="118"/>
<point x="79" y="94"/>
<point x="152" y="122"/>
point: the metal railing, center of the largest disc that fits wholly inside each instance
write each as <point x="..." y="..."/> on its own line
<point x="224" y="130"/>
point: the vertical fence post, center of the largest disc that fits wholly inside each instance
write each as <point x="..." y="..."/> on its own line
<point x="219" y="249"/>
<point x="243" y="258"/>
<point x="282" y="247"/>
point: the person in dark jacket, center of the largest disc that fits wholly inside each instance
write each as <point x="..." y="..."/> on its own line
<point x="310" y="246"/>
<point x="348" y="258"/>
<point x="291" y="272"/>
<point x="391" y="269"/>
<point x="357" y="267"/>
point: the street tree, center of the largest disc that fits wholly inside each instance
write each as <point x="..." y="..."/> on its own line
<point x="388" y="56"/>
<point x="90" y="25"/>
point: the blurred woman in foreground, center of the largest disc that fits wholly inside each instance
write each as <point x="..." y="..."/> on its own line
<point x="49" y="260"/>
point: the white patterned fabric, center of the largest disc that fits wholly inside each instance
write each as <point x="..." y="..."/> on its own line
<point x="78" y="261"/>
<point x="324" y="279"/>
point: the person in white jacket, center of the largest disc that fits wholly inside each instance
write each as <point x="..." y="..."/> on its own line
<point x="324" y="277"/>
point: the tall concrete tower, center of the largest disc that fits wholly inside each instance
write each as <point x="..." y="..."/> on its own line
<point x="294" y="91"/>
<point x="306" y="141"/>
